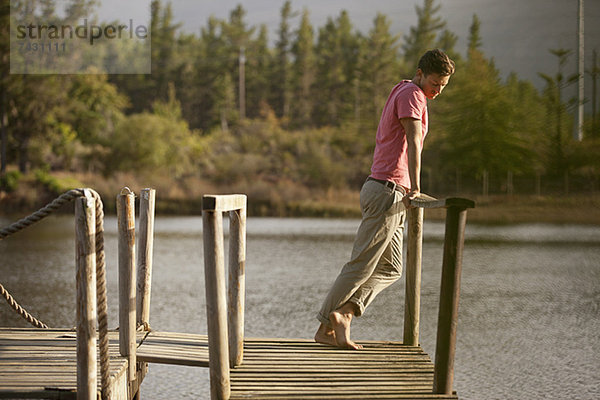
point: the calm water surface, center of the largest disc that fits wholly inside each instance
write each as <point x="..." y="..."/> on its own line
<point x="529" y="311"/>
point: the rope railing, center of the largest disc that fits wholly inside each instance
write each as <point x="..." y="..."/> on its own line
<point x="102" y="308"/>
<point x="20" y="310"/>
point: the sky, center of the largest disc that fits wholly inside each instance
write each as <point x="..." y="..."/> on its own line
<point x="517" y="34"/>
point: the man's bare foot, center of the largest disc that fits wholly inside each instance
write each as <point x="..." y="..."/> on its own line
<point x="325" y="335"/>
<point x="340" y="321"/>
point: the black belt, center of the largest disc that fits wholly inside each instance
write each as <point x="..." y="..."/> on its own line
<point x="389" y="184"/>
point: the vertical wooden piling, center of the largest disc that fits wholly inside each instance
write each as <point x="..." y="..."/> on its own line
<point x="412" y="303"/>
<point x="85" y="231"/>
<point x="144" y="256"/>
<point x="216" y="304"/>
<point x="127" y="297"/>
<point x="213" y="207"/>
<point x="456" y="218"/>
<point x="237" y="284"/>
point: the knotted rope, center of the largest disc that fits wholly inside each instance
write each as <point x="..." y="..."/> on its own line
<point x="102" y="308"/>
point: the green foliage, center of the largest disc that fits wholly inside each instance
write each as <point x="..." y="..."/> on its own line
<point x="313" y="102"/>
<point x="259" y="62"/>
<point x="54" y="184"/>
<point x="558" y="161"/>
<point x="261" y="150"/>
<point x="337" y="52"/>
<point x="10" y="181"/>
<point x="474" y="35"/>
<point x="304" y="73"/>
<point x="149" y="143"/>
<point x="378" y="69"/>
<point x="94" y="108"/>
<point x="282" y="66"/>
<point x="422" y="37"/>
<point x="477" y="122"/>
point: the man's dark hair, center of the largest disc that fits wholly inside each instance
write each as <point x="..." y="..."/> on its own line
<point x="436" y="62"/>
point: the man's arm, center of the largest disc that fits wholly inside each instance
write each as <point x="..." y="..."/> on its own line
<point x="414" y="138"/>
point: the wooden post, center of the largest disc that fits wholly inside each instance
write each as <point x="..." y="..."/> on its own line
<point x="216" y="304"/>
<point x="127" y="298"/>
<point x="237" y="283"/>
<point x="85" y="231"/>
<point x="443" y="377"/>
<point x="145" y="246"/>
<point x="412" y="302"/>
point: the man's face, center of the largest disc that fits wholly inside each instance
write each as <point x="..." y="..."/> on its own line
<point x="432" y="84"/>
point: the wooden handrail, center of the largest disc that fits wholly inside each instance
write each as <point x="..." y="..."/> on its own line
<point x="237" y="285"/>
<point x="225" y="338"/>
<point x="456" y="216"/>
<point x="144" y="259"/>
<point x="414" y="255"/>
<point x="127" y="277"/>
<point x="85" y="233"/>
<point x="454" y="238"/>
<point x="426" y="201"/>
<point x="225" y="330"/>
<point x="223" y="203"/>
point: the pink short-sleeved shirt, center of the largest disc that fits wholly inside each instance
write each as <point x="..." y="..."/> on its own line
<point x="390" y="160"/>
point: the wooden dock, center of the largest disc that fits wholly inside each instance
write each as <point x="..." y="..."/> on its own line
<point x="302" y="369"/>
<point x="83" y="364"/>
<point x="42" y="364"/>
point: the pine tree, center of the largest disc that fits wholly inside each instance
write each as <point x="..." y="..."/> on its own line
<point x="212" y="63"/>
<point x="423" y="36"/>
<point x="142" y="90"/>
<point x="556" y="107"/>
<point x="282" y="67"/>
<point x="259" y="61"/>
<point x="529" y="119"/>
<point x="379" y="70"/>
<point x="237" y="36"/>
<point x="184" y="79"/>
<point x="163" y="49"/>
<point x="303" y="72"/>
<point x="474" y="35"/>
<point x="337" y="63"/>
<point x="478" y="117"/>
<point x="447" y="42"/>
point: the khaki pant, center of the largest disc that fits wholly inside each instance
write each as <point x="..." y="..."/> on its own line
<point x="376" y="260"/>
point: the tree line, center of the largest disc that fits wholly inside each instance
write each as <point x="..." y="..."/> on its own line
<point x="230" y="106"/>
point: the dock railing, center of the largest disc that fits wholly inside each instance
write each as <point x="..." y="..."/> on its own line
<point x="456" y="217"/>
<point x="225" y="317"/>
<point x="134" y="305"/>
<point x="91" y="299"/>
<point x="226" y="338"/>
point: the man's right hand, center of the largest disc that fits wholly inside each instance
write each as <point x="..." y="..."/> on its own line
<point x="413" y="194"/>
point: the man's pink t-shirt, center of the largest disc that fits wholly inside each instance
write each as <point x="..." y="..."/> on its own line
<point x="390" y="160"/>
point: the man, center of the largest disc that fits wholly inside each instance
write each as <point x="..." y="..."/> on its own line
<point x="376" y="260"/>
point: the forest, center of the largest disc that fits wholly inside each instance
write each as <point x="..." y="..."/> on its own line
<point x="285" y="118"/>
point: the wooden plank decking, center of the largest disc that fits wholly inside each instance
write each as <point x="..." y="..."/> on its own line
<point x="302" y="369"/>
<point x="42" y="363"/>
<point x="174" y="348"/>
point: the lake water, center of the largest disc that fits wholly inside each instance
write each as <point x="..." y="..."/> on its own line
<point x="529" y="319"/>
